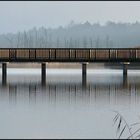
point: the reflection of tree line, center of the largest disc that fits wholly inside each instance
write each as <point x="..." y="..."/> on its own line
<point x="69" y="93"/>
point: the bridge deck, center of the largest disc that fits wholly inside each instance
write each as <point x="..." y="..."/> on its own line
<point x="69" y="54"/>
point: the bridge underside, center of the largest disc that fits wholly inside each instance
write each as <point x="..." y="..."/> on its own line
<point x="43" y="72"/>
<point x="70" y="60"/>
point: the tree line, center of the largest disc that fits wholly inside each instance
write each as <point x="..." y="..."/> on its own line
<point x="76" y="35"/>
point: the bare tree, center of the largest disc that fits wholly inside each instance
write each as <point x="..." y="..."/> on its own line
<point x="97" y="42"/>
<point x="18" y="40"/>
<point x="85" y="42"/>
<point x="70" y="43"/>
<point x="50" y="40"/>
<point x="10" y="40"/>
<point x="58" y="42"/>
<point x="91" y="42"/>
<point x="25" y="40"/>
<point x="46" y="38"/>
<point x="107" y="41"/>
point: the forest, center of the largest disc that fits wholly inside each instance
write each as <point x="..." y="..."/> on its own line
<point x="76" y="35"/>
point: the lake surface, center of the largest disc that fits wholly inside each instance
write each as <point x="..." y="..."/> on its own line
<point x="64" y="107"/>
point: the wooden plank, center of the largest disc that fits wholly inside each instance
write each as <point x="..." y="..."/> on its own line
<point x="82" y="54"/>
<point x="123" y="54"/>
<point x="62" y="54"/>
<point x="42" y="53"/>
<point x="12" y="53"/>
<point x="72" y="54"/>
<point x="138" y="54"/>
<point x="52" y="53"/>
<point x="32" y="54"/>
<point x="113" y="54"/>
<point x="23" y="53"/>
<point x="102" y="54"/>
<point x="92" y="54"/>
<point x="4" y="53"/>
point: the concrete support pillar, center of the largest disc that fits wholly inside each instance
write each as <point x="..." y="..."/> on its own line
<point x="4" y="73"/>
<point x="84" y="74"/>
<point x="124" y="69"/>
<point x="125" y="81"/>
<point x="43" y="73"/>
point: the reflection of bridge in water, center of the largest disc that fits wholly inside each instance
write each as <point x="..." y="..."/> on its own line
<point x="122" y="56"/>
<point x="70" y="93"/>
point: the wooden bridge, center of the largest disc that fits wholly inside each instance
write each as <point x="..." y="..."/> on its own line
<point x="123" y="56"/>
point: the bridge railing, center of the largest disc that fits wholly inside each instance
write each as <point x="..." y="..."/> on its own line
<point x="69" y="54"/>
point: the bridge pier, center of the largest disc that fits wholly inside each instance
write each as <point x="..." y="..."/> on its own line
<point x="4" y="73"/>
<point x="43" y="73"/>
<point x="84" y="74"/>
<point x="124" y="70"/>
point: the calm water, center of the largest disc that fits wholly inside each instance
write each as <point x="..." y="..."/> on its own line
<point x="64" y="108"/>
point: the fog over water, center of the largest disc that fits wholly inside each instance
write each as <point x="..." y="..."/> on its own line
<point x="64" y="108"/>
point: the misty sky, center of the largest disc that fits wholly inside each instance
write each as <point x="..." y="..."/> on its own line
<point x="19" y="15"/>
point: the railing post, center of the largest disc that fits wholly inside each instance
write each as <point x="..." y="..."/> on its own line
<point x="43" y="73"/>
<point x="4" y="73"/>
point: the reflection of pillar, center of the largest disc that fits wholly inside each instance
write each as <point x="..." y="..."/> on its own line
<point x="84" y="74"/>
<point x="125" y="81"/>
<point x="4" y="73"/>
<point x="13" y="94"/>
<point x="43" y="73"/>
<point x="32" y="93"/>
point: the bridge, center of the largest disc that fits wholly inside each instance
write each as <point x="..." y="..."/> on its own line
<point x="123" y="56"/>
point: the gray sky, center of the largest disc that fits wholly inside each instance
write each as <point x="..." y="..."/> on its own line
<point x="19" y="15"/>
